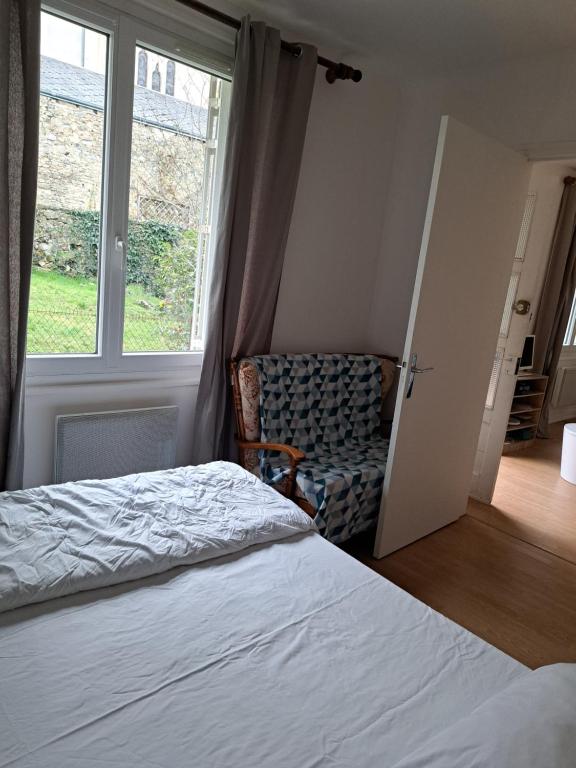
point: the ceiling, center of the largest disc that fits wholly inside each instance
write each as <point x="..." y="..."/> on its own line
<point x="439" y="34"/>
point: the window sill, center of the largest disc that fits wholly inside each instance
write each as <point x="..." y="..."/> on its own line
<point x="43" y="372"/>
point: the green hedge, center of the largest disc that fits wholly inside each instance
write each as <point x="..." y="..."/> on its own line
<point x="160" y="257"/>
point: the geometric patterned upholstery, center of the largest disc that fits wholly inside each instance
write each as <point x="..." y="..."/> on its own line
<point x="306" y="400"/>
<point x="329" y="406"/>
<point x="345" y="487"/>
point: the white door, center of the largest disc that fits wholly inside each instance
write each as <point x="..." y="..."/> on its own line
<point x="515" y="325"/>
<point x="470" y="233"/>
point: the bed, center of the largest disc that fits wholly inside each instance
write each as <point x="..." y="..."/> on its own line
<point x="195" y="618"/>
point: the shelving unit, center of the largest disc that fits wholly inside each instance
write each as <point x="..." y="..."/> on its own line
<point x="526" y="406"/>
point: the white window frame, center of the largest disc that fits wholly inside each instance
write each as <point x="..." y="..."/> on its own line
<point x="191" y="45"/>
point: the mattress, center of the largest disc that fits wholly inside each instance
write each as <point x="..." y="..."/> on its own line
<point x="286" y="653"/>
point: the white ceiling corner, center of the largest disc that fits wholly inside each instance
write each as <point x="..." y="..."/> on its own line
<point x="436" y="34"/>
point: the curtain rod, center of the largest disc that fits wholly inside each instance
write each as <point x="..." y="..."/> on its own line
<point x="334" y="71"/>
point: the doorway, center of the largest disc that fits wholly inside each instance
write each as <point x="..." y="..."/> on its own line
<point x="517" y="485"/>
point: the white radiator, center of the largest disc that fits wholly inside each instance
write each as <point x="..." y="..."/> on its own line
<point x="114" y="443"/>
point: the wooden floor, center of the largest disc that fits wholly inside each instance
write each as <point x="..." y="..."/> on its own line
<point x="531" y="500"/>
<point x="507" y="572"/>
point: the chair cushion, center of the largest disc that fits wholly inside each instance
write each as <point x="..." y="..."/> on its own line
<point x="344" y="486"/>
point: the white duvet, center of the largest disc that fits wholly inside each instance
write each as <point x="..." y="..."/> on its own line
<point x="61" y="539"/>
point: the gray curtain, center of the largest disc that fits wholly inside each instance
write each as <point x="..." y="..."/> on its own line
<point x="19" y="104"/>
<point x="271" y="95"/>
<point x="557" y="296"/>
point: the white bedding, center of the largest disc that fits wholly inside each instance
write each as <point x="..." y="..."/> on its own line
<point x="530" y="724"/>
<point x="61" y="539"/>
<point x="286" y="654"/>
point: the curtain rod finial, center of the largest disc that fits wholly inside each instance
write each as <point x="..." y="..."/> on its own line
<point x="343" y="72"/>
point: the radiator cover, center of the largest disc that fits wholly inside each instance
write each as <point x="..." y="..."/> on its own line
<point x="114" y="443"/>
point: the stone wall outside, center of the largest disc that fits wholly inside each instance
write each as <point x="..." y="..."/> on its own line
<point x="166" y="173"/>
<point x="59" y="245"/>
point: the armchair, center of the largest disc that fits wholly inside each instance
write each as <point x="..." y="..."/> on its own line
<point x="311" y="425"/>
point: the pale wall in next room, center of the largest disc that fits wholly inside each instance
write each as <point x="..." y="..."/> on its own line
<point x="547" y="182"/>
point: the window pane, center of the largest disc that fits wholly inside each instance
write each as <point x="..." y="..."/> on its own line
<point x="63" y="316"/>
<point x="175" y="123"/>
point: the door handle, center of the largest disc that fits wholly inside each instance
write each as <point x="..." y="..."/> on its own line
<point x="521" y="307"/>
<point x="413" y="371"/>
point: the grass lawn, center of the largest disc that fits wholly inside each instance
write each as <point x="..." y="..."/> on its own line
<point x="63" y="310"/>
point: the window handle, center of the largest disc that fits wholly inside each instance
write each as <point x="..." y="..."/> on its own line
<point x="120" y="246"/>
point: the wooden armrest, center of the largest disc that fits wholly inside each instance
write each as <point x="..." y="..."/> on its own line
<point x="295" y="453"/>
<point x="295" y="456"/>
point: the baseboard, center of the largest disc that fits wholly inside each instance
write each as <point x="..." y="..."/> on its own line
<point x="566" y="413"/>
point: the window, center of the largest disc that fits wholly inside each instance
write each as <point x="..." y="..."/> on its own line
<point x="132" y="127"/>
<point x="65" y="274"/>
<point x="171" y="183"/>
<point x="570" y="338"/>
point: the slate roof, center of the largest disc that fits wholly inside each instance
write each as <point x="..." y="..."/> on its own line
<point x="77" y="85"/>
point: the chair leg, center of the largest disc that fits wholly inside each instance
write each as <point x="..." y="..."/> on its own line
<point x="306" y="507"/>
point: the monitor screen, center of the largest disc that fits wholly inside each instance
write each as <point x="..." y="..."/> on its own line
<point x="527" y="359"/>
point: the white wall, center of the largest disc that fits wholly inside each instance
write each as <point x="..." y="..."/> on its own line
<point x="522" y="104"/>
<point x="336" y="229"/>
<point x="547" y="182"/>
<point x="44" y="401"/>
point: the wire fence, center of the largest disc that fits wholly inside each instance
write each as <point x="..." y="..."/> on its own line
<point x="74" y="332"/>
